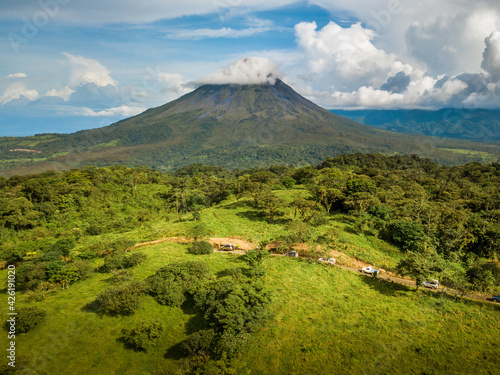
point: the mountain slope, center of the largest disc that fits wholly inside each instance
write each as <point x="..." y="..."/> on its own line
<point x="234" y="126"/>
<point x="473" y="124"/>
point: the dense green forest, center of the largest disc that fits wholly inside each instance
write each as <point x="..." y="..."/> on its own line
<point x="420" y="219"/>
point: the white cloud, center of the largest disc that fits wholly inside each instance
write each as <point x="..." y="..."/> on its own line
<point x="225" y="32"/>
<point x="17" y="91"/>
<point x="346" y="57"/>
<point x="491" y="56"/>
<point x="123" y="111"/>
<point x="133" y="11"/>
<point x="84" y="71"/>
<point x="246" y="71"/>
<point x="63" y="93"/>
<point x="16" y="75"/>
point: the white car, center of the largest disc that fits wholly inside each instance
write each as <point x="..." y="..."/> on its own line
<point x="370" y="271"/>
<point x="227" y="247"/>
<point x="327" y="261"/>
<point x="433" y="284"/>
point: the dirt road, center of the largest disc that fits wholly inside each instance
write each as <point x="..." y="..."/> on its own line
<point x="355" y="265"/>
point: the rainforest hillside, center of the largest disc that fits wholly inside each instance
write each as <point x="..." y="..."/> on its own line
<point x="115" y="268"/>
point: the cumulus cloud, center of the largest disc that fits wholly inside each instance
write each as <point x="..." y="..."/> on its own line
<point x="84" y="71"/>
<point x="491" y="56"/>
<point x="123" y="111"/>
<point x="246" y="71"/>
<point x="63" y="93"/>
<point x="17" y="91"/>
<point x="346" y="57"/>
<point x="16" y="75"/>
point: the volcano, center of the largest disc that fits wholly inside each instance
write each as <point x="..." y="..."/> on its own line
<point x="233" y="126"/>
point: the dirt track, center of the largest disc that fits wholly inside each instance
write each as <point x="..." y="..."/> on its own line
<point x="348" y="262"/>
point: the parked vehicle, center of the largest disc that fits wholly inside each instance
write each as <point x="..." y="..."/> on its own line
<point x="227" y="247"/>
<point x="496" y="298"/>
<point x="293" y="254"/>
<point x="433" y="284"/>
<point x="328" y="261"/>
<point x="369" y="271"/>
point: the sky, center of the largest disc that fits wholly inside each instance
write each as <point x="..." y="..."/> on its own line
<point x="68" y="65"/>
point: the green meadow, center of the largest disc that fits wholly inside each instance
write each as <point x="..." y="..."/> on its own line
<point x="323" y="320"/>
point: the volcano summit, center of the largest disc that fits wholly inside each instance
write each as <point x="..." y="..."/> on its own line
<point x="229" y="125"/>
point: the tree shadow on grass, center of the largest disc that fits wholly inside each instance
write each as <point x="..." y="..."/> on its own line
<point x="386" y="287"/>
<point x="252" y="215"/>
<point x="175" y="352"/>
<point x="92" y="307"/>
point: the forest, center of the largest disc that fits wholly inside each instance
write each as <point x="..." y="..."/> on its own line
<point x="452" y="213"/>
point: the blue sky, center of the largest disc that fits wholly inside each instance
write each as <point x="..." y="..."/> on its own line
<point x="67" y="65"/>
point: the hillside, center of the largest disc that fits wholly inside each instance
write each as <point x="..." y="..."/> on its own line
<point x="474" y="124"/>
<point x="101" y="300"/>
<point x="234" y="126"/>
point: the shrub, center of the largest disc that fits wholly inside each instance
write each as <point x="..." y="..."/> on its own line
<point x="166" y="291"/>
<point x="134" y="260"/>
<point x="113" y="262"/>
<point x="121" y="245"/>
<point x="94" y="229"/>
<point x="199" y="342"/>
<point x="170" y="283"/>
<point x="198" y="232"/>
<point x="83" y="268"/>
<point x="120" y="261"/>
<point x="143" y="336"/>
<point x="29" y="275"/>
<point x="120" y="300"/>
<point x="64" y="245"/>
<point x="28" y="318"/>
<point x="201" y="248"/>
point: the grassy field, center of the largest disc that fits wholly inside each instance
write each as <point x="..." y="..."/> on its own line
<point x="324" y="320"/>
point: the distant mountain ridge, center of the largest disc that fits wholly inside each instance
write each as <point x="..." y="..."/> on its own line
<point x="473" y="124"/>
<point x="233" y="126"/>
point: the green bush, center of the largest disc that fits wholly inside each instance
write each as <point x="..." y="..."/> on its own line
<point x="83" y="268"/>
<point x="199" y="342"/>
<point x="201" y="248"/>
<point x="120" y="261"/>
<point x="143" y="336"/>
<point x="121" y="245"/>
<point x="120" y="300"/>
<point x="28" y="318"/>
<point x="134" y="260"/>
<point x="170" y="284"/>
<point x="94" y="229"/>
<point x="64" y="245"/>
<point x="166" y="291"/>
<point x="29" y="275"/>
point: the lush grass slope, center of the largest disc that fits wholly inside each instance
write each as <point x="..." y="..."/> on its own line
<point x="324" y="321"/>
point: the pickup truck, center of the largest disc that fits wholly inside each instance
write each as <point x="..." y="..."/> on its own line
<point x="369" y="271"/>
<point x="433" y="284"/>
